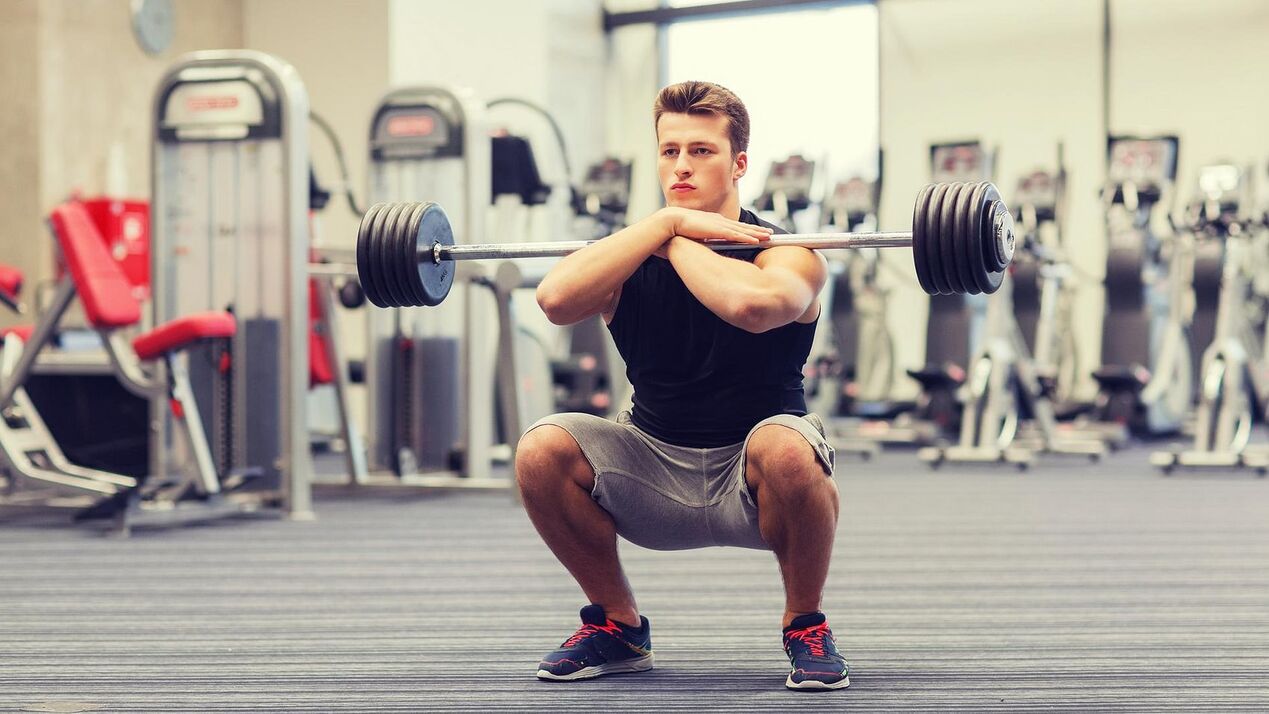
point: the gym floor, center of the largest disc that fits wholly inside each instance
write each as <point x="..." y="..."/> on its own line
<point x="1067" y="587"/>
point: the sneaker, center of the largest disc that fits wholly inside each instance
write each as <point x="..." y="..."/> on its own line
<point x="813" y="655"/>
<point x="600" y="646"/>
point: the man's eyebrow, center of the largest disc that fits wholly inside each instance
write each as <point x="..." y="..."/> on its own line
<point x="696" y="142"/>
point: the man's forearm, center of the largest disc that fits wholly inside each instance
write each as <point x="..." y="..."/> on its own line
<point x="727" y="287"/>
<point x="583" y="279"/>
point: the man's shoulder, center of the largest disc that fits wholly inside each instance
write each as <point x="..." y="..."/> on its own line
<point x="748" y="216"/>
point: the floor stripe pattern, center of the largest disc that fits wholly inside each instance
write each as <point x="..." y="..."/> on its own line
<point x="1068" y="587"/>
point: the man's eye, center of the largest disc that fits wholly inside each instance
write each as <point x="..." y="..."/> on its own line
<point x="670" y="152"/>
<point x="702" y="150"/>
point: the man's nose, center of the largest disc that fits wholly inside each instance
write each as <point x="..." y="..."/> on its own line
<point x="682" y="168"/>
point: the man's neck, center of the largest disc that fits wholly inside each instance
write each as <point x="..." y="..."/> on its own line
<point x="731" y="207"/>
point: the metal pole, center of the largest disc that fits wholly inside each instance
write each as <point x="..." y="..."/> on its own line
<point x="814" y="241"/>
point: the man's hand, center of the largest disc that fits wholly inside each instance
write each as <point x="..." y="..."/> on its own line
<point x="705" y="226"/>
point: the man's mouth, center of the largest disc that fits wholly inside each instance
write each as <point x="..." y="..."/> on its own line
<point x="682" y="187"/>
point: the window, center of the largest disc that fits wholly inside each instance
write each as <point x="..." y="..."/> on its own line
<point x="809" y="78"/>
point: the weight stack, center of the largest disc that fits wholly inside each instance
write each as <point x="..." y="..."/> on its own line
<point x="427" y="403"/>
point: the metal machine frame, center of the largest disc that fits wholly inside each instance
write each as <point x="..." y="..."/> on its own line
<point x="210" y="116"/>
<point x="1234" y="385"/>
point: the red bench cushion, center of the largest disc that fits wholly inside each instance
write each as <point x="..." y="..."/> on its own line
<point x="23" y="331"/>
<point x="10" y="280"/>
<point x="103" y="288"/>
<point x="178" y="333"/>
<point x="320" y="370"/>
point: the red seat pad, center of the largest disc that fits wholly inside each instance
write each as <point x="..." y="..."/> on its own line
<point x="182" y="331"/>
<point x="10" y="280"/>
<point x="320" y="370"/>
<point x="23" y="331"/>
<point x="103" y="288"/>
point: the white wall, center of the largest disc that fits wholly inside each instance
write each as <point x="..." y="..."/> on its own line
<point x="551" y="52"/>
<point x="340" y="49"/>
<point x="1196" y="69"/>
<point x="1018" y="76"/>
<point x="78" y="89"/>
<point x="1022" y="75"/>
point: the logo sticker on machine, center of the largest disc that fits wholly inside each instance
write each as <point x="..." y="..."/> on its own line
<point x="213" y="109"/>
<point x="404" y="125"/>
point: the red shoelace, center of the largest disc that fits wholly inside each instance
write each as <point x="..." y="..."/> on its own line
<point x="813" y="638"/>
<point x="587" y="630"/>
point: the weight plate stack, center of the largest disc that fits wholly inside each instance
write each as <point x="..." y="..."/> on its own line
<point x="389" y="265"/>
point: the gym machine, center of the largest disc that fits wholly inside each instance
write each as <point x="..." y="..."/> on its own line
<point x="151" y="365"/>
<point x="1146" y="378"/>
<point x="952" y="328"/>
<point x="786" y="191"/>
<point x="1005" y="386"/>
<point x="1234" y="381"/>
<point x="592" y="378"/>
<point x="853" y="378"/>
<point x="231" y="232"/>
<point x="430" y="375"/>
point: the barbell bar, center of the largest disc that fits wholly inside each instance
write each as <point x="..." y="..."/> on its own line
<point x="962" y="241"/>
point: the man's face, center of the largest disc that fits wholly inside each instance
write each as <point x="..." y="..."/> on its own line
<point x="694" y="161"/>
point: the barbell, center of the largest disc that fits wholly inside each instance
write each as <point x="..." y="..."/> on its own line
<point x="962" y="242"/>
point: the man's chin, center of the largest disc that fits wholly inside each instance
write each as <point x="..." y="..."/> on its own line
<point x="693" y="202"/>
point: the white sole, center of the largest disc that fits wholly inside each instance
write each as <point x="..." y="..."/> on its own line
<point x="641" y="664"/>
<point x="815" y="684"/>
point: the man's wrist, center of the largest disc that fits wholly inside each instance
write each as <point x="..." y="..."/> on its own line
<point x="668" y="221"/>
<point x="676" y="244"/>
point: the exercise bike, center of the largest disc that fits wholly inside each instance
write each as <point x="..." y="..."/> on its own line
<point x="1234" y="383"/>
<point x="1146" y="379"/>
<point x="1005" y="386"/>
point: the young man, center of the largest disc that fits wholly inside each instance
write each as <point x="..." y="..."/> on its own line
<point x="719" y="448"/>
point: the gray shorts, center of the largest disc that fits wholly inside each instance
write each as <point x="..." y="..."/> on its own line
<point x="668" y="497"/>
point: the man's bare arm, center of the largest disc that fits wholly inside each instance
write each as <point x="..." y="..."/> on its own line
<point x="585" y="282"/>
<point x="777" y="288"/>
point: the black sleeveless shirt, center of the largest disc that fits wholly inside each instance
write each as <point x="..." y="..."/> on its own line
<point x="698" y="381"/>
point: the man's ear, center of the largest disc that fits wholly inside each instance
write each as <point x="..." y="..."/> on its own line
<point x="741" y="166"/>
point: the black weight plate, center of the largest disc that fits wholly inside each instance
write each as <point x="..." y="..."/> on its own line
<point x="364" y="274"/>
<point x="416" y="282"/>
<point x="374" y="235"/>
<point x="408" y="256"/>
<point x="920" y="241"/>
<point x="969" y="243"/>
<point x="994" y="264"/>
<point x="991" y="198"/>
<point x="376" y="259"/>
<point x="956" y="242"/>
<point x="933" y="244"/>
<point x="403" y="255"/>
<point x="387" y="254"/>
<point x="951" y="258"/>
<point x="400" y="268"/>
<point x="435" y="279"/>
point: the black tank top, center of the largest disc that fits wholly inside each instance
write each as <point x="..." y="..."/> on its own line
<point x="698" y="381"/>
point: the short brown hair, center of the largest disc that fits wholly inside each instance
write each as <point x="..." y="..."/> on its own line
<point x="694" y="97"/>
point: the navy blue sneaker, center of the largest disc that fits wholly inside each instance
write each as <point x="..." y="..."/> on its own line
<point x="600" y="646"/>
<point x="813" y="655"/>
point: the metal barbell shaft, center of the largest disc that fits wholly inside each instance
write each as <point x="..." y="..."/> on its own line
<point x="814" y="241"/>
<point x="962" y="241"/>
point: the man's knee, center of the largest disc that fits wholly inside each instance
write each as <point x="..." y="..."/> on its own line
<point x="548" y="456"/>
<point x="781" y="458"/>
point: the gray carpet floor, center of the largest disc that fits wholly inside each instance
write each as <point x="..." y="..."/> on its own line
<point x="1070" y="587"/>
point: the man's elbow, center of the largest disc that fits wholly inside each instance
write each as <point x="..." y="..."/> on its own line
<point x="554" y="305"/>
<point x="759" y="315"/>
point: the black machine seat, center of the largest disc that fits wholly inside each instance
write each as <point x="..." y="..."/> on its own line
<point x="948" y="375"/>
<point x="1122" y="378"/>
